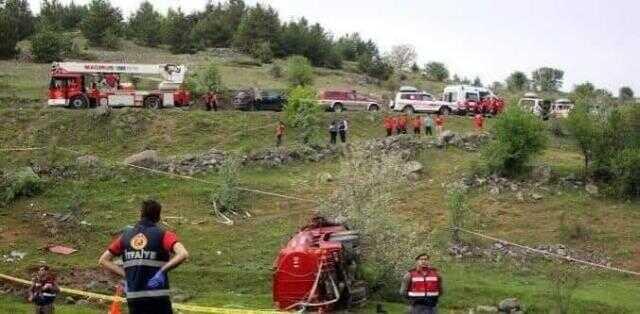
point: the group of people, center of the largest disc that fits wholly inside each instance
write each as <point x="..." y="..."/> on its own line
<point x="400" y="124"/>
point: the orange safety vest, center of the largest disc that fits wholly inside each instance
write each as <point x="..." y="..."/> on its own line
<point x="479" y="120"/>
<point x="424" y="283"/>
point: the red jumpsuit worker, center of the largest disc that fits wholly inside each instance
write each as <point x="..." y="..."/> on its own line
<point x="417" y="125"/>
<point x="401" y="127"/>
<point x="439" y="123"/>
<point x="478" y="122"/>
<point x="279" y="133"/>
<point x="211" y="101"/>
<point x="422" y="286"/>
<point x="388" y="125"/>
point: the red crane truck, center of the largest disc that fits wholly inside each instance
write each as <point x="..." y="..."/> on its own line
<point x="80" y="85"/>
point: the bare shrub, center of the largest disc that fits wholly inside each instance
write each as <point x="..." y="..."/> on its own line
<point x="458" y="214"/>
<point x="365" y="193"/>
<point x="564" y="282"/>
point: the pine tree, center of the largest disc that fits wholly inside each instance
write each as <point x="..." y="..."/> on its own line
<point x="144" y="25"/>
<point x="102" y="24"/>
<point x="258" y="25"/>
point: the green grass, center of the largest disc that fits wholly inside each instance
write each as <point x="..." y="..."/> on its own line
<point x="231" y="265"/>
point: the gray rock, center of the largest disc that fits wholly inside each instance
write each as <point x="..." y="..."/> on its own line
<point x="592" y="189"/>
<point x="509" y="305"/>
<point x="486" y="309"/>
<point x="446" y="137"/>
<point x="69" y="300"/>
<point x="413" y="167"/>
<point x="536" y="196"/>
<point x="147" y="158"/>
<point x="88" y="160"/>
<point x="82" y="302"/>
<point x="494" y="190"/>
<point x="325" y="177"/>
<point x="520" y="196"/>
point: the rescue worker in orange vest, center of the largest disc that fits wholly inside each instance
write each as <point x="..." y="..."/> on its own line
<point x="279" y="133"/>
<point x="402" y="125"/>
<point x="417" y="125"/>
<point x="422" y="286"/>
<point x="211" y="101"/>
<point x="388" y="125"/>
<point x="478" y="121"/>
<point x="148" y="254"/>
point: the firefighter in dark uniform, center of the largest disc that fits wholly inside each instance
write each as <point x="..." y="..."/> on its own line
<point x="422" y="286"/>
<point x="148" y="253"/>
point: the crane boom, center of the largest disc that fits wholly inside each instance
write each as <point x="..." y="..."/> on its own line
<point x="171" y="73"/>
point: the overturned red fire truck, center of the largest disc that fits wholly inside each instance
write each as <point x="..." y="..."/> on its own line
<point x="317" y="269"/>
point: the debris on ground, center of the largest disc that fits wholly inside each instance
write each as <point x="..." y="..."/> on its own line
<point x="60" y="249"/>
<point x="14" y="256"/>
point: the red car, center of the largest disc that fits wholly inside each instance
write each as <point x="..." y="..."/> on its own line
<point x="339" y="101"/>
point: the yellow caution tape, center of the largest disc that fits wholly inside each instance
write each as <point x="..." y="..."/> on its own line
<point x="177" y="306"/>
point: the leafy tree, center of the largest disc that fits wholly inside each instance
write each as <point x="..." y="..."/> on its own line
<point x="456" y="79"/>
<point x="219" y="23"/>
<point x="208" y="80"/>
<point x="72" y="15"/>
<point x="375" y="67"/>
<point x="144" y="25"/>
<point x="518" y="137"/>
<point x="625" y="94"/>
<point x="101" y="24"/>
<point x="477" y="82"/>
<point x="258" y="25"/>
<point x="517" y="82"/>
<point x="263" y="52"/>
<point x="48" y="46"/>
<point x="546" y="79"/>
<point x="311" y="41"/>
<point x="303" y="112"/>
<point x="585" y="128"/>
<point x="437" y="71"/>
<point x="9" y="34"/>
<point x="497" y="87"/>
<point x="50" y="15"/>
<point x="20" y="14"/>
<point x="175" y="27"/>
<point x="583" y="92"/>
<point x="299" y="71"/>
<point x="402" y="57"/>
<point x="351" y="47"/>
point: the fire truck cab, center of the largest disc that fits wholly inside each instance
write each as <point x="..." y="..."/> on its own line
<point x="80" y="85"/>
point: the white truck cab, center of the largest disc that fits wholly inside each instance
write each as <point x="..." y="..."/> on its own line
<point x="561" y="108"/>
<point x="536" y="105"/>
<point x="410" y="100"/>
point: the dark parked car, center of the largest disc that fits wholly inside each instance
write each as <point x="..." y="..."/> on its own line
<point x="269" y="99"/>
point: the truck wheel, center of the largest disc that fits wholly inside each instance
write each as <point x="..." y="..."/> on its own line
<point x="78" y="102"/>
<point x="445" y="111"/>
<point x="338" y="107"/>
<point x="153" y="102"/>
<point x="374" y="108"/>
<point x="408" y="110"/>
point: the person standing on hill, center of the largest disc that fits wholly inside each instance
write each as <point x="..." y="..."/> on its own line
<point x="148" y="254"/>
<point x="478" y="122"/>
<point x="333" y="132"/>
<point x="439" y="123"/>
<point x="44" y="290"/>
<point x="417" y="125"/>
<point x="402" y="124"/>
<point x="428" y="125"/>
<point x="211" y="101"/>
<point x="279" y="133"/>
<point x="343" y="127"/>
<point x="388" y="125"/>
<point x="422" y="287"/>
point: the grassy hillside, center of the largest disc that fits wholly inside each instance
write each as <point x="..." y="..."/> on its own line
<point x="231" y="265"/>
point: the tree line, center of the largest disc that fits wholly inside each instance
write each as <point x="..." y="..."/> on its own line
<point x="255" y="30"/>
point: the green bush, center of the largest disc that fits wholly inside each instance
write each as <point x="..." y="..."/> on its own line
<point x="518" y="136"/>
<point x="458" y="211"/>
<point x="610" y="143"/>
<point x="23" y="182"/>
<point x="276" y="71"/>
<point x="299" y="71"/>
<point x="227" y="196"/>
<point x="263" y="52"/>
<point x="48" y="46"/>
<point x="303" y="112"/>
